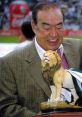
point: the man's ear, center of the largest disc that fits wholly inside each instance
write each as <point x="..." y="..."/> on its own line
<point x="34" y="26"/>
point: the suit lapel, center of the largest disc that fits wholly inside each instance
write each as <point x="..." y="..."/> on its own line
<point x="35" y="70"/>
<point x="70" y="54"/>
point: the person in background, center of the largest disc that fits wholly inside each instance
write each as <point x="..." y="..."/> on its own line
<point x="25" y="38"/>
<point x="22" y="85"/>
<point x="26" y="35"/>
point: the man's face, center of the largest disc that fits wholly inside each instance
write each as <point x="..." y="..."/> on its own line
<point x="49" y="29"/>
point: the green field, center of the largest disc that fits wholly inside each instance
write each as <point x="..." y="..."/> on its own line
<point x="15" y="39"/>
<point x="9" y="39"/>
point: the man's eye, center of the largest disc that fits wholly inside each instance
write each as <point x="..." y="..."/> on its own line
<point x="46" y="27"/>
<point x="59" y="27"/>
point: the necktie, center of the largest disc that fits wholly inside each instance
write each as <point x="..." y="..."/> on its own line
<point x="64" y="62"/>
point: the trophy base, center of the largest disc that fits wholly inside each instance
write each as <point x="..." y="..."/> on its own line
<point x="60" y="106"/>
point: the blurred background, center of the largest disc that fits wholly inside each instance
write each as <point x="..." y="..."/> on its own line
<point x="14" y="12"/>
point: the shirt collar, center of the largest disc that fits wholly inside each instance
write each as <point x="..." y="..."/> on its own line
<point x="61" y="48"/>
<point x="41" y="51"/>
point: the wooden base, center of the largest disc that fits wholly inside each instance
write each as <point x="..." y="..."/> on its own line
<point x="73" y="114"/>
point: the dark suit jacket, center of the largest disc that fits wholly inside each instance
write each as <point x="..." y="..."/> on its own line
<point x="22" y="87"/>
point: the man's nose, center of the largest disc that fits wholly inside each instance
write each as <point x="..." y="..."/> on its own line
<point x="53" y="32"/>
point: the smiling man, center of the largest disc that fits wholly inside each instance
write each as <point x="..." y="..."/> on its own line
<point x="48" y="27"/>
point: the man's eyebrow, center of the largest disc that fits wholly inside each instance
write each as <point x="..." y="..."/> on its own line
<point x="44" y="23"/>
<point x="61" y="23"/>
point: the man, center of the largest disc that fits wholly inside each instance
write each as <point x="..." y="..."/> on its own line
<point x="25" y="39"/>
<point x="22" y="86"/>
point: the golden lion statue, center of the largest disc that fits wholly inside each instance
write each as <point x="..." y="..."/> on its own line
<point x="52" y="69"/>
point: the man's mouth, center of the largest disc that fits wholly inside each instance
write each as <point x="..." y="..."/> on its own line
<point x="52" y="41"/>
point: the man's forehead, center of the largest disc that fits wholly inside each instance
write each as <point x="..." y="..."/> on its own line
<point x="50" y="14"/>
<point x="51" y="11"/>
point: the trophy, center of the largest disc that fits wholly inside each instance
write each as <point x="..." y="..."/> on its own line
<point x="55" y="73"/>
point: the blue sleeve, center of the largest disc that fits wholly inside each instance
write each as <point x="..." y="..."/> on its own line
<point x="79" y="84"/>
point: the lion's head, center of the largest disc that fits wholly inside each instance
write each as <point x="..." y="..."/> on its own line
<point x="50" y="62"/>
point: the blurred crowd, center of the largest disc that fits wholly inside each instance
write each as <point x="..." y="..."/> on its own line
<point x="72" y="11"/>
